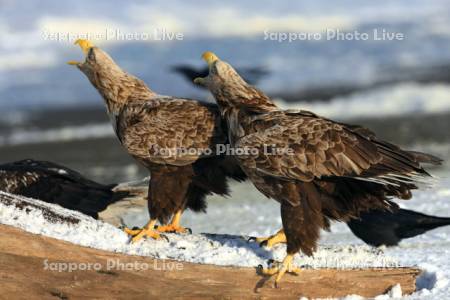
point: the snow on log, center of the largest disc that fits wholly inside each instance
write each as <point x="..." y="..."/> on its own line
<point x="211" y="265"/>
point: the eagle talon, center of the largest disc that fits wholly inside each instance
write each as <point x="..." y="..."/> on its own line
<point x="259" y="269"/>
<point x="270" y="241"/>
<point x="147" y="231"/>
<point x="132" y="231"/>
<point x="173" y="229"/>
<point x="284" y="267"/>
<point x="164" y="237"/>
<point x="137" y="235"/>
<point x="264" y="244"/>
<point x="174" y="226"/>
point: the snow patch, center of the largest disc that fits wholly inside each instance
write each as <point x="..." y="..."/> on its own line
<point x="394" y="292"/>
<point x="218" y="249"/>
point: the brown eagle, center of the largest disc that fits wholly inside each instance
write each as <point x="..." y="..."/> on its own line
<point x="317" y="169"/>
<point x="172" y="137"/>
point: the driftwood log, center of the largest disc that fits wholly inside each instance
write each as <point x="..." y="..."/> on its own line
<point x="26" y="272"/>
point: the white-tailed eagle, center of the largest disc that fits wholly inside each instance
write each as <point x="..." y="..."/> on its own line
<point x="170" y="136"/>
<point x="317" y="169"/>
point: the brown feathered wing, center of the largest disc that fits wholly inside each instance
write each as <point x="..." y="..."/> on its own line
<point x="316" y="148"/>
<point x="170" y="131"/>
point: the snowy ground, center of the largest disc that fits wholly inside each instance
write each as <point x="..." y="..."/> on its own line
<point x="219" y="249"/>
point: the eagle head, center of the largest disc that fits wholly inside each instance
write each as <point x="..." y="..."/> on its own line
<point x="97" y="65"/>
<point x="228" y="87"/>
<point x="219" y="71"/>
<point x="222" y="78"/>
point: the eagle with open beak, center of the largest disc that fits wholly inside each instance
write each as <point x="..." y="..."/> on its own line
<point x="318" y="170"/>
<point x="170" y="136"/>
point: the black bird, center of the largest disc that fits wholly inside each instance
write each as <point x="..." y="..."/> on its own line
<point x="250" y="74"/>
<point x="57" y="184"/>
<point x="387" y="228"/>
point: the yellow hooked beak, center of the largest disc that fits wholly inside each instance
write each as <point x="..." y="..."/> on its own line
<point x="209" y="57"/>
<point x="85" y="45"/>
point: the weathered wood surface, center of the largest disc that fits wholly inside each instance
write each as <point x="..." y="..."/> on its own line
<point x="23" y="275"/>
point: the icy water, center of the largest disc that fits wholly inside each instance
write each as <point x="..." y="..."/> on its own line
<point x="34" y="73"/>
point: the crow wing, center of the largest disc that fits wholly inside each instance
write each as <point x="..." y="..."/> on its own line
<point x="57" y="184"/>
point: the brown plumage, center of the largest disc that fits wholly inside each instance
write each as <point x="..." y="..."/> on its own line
<point x="319" y="170"/>
<point x="161" y="133"/>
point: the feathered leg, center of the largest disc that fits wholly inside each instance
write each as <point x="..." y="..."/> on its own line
<point x="302" y="219"/>
<point x="292" y="217"/>
<point x="166" y="198"/>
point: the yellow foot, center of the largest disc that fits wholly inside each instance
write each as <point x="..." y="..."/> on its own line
<point x="174" y="226"/>
<point x="173" y="229"/>
<point x="271" y="241"/>
<point x="280" y="269"/>
<point x="138" y="234"/>
<point x="147" y="231"/>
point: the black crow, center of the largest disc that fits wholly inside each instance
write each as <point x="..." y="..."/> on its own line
<point x="388" y="228"/>
<point x="251" y="74"/>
